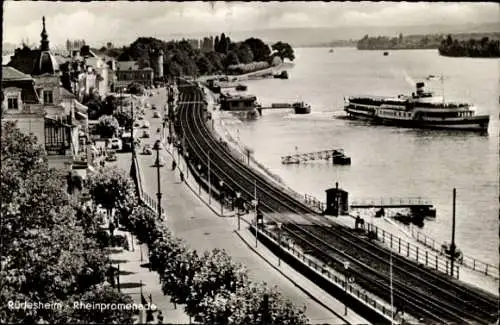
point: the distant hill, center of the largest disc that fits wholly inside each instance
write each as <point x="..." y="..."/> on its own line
<point x="306" y="37"/>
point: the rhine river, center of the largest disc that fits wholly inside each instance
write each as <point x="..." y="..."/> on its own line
<point x="387" y="161"/>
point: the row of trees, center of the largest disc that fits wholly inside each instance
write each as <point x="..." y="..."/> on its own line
<point x="180" y="58"/>
<point x="484" y="47"/>
<point x="214" y="289"/>
<point x="51" y="247"/>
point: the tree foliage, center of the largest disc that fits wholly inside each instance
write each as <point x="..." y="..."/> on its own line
<point x="484" y="47"/>
<point x="112" y="189"/>
<point x="283" y="50"/>
<point x="107" y="126"/>
<point x="49" y="254"/>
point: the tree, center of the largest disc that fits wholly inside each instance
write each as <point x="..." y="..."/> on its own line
<point x="231" y="59"/>
<point x="217" y="272"/>
<point x="135" y="88"/>
<point x="284" y="50"/>
<point x="112" y="189"/>
<point x="244" y="53"/>
<point x="109" y="105"/>
<point x="124" y="119"/>
<point x="259" y="49"/>
<point x="107" y="126"/>
<point x="204" y="65"/>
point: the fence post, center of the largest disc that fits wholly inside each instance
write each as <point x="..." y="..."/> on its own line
<point x="417" y="254"/>
<point x="391" y="240"/>
<point x="425" y="258"/>
<point x="473" y="264"/>
<point x="383" y="235"/>
<point x="486" y="270"/>
<point x="446" y="266"/>
<point x="408" y="250"/>
<point x="436" y="262"/>
<point x="399" y="245"/>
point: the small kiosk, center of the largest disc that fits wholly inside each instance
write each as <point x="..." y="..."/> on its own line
<point x="337" y="201"/>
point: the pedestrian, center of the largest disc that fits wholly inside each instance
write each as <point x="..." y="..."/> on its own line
<point x="160" y="317"/>
<point x="182" y="177"/>
<point x="174" y="164"/>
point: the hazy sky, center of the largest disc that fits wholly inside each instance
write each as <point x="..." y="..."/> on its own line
<point x="97" y="22"/>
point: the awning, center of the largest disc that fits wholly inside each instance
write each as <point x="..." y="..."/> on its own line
<point x="80" y="116"/>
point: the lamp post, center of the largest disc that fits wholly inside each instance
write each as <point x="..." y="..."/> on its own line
<point x="157" y="148"/>
<point x="209" y="182"/>
<point x="346" y="269"/>
<point x="254" y="203"/>
<point x="199" y="183"/>
<point x="221" y="184"/>
<point x="279" y="224"/>
<point x="132" y="131"/>
<point x="238" y="195"/>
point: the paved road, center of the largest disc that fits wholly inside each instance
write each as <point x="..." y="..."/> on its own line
<point x="190" y="219"/>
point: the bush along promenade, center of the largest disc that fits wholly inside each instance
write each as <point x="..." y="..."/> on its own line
<point x="213" y="288"/>
<point x="54" y="258"/>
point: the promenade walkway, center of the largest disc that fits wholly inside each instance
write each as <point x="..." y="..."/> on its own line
<point x="190" y="218"/>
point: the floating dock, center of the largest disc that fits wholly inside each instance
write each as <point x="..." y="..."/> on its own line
<point x="336" y="155"/>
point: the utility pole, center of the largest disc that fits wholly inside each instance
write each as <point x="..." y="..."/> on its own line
<point x="157" y="148"/>
<point x="453" y="247"/>
<point x="209" y="183"/>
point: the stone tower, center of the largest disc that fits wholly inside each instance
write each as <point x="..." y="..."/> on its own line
<point x="156" y="60"/>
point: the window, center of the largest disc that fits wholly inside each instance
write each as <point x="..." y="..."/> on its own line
<point x="12" y="103"/>
<point x="47" y="97"/>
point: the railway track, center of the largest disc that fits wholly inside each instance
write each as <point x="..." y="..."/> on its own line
<point x="422" y="294"/>
<point x="373" y="271"/>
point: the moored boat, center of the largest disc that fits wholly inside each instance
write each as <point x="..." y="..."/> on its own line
<point x="301" y="108"/>
<point x="420" y="110"/>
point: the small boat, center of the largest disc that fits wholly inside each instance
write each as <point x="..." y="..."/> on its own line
<point x="241" y="87"/>
<point x="289" y="160"/>
<point x="301" y="108"/>
<point x="386" y="53"/>
<point x="331" y="51"/>
<point x="282" y="75"/>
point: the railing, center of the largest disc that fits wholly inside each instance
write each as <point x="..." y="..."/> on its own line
<point x="413" y="252"/>
<point x="143" y="196"/>
<point x="333" y="276"/>
<point x="314" y="203"/>
<point x="391" y="201"/>
<point x="467" y="261"/>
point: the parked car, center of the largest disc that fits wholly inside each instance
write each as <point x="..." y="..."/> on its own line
<point x="116" y="144"/>
<point x="147" y="150"/>
<point x="145" y="134"/>
<point x="153" y="107"/>
<point x="140" y="117"/>
<point x="156" y="115"/>
<point x="111" y="157"/>
<point x="137" y="124"/>
<point x="145" y="125"/>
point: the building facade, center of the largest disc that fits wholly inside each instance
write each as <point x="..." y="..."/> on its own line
<point x="128" y="72"/>
<point x="41" y="106"/>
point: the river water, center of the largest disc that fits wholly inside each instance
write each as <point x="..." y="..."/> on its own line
<point x="386" y="161"/>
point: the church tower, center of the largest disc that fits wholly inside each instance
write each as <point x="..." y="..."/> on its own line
<point x="45" y="63"/>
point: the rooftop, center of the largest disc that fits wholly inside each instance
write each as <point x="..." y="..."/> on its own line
<point x="11" y="74"/>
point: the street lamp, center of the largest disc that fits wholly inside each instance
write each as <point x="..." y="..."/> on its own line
<point x="221" y="184"/>
<point x="279" y="224"/>
<point x="346" y="270"/>
<point x="238" y="195"/>
<point x="158" y="164"/>
<point x="199" y="183"/>
<point x="254" y="203"/>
